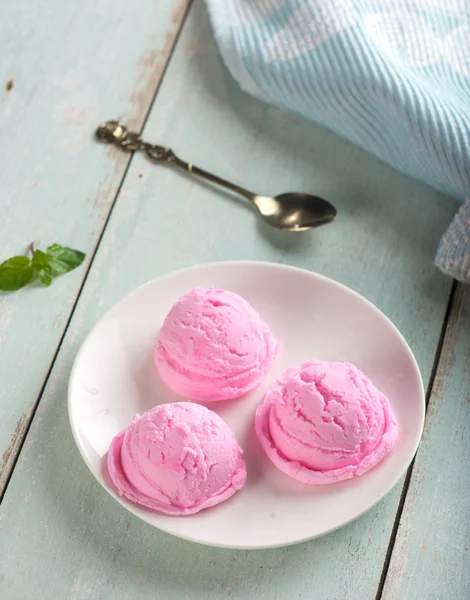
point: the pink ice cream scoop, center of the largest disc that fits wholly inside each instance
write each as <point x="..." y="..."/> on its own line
<point x="214" y="346"/>
<point x="177" y="459"/>
<point x="325" y="422"/>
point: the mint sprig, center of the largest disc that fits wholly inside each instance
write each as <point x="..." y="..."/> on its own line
<point x="18" y="271"/>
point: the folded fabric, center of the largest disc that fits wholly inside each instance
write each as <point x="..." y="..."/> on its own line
<point x="392" y="76"/>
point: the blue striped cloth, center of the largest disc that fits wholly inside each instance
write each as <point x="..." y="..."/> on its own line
<point x="392" y="76"/>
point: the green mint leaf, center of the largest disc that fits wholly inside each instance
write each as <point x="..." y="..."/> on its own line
<point x="40" y="260"/>
<point x="62" y="259"/>
<point x="45" y="275"/>
<point x="41" y="264"/>
<point x="15" y="273"/>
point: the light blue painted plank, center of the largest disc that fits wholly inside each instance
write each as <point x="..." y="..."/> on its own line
<point x="431" y="556"/>
<point x="63" y="527"/>
<point x="70" y="64"/>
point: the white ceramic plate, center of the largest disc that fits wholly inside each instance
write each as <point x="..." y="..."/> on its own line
<point x="114" y="378"/>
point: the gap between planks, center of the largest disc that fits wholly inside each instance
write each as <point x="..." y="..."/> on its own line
<point x="409" y="473"/>
<point x="19" y="443"/>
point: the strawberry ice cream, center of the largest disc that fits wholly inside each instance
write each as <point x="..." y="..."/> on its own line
<point x="325" y="422"/>
<point x="214" y="346"/>
<point x="177" y="459"/>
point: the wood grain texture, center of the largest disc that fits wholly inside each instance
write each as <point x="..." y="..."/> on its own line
<point x="65" y="67"/>
<point x="69" y="535"/>
<point x="431" y="556"/>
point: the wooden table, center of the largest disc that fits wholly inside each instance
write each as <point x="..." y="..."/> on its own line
<point x="66" y="66"/>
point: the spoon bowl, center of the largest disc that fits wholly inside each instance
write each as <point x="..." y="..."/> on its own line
<point x="294" y="211"/>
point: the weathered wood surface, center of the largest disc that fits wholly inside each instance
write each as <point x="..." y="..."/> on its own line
<point x="65" y="67"/>
<point x="431" y="557"/>
<point x="60" y="532"/>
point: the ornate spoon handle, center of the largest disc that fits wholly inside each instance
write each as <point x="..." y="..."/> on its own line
<point x="115" y="133"/>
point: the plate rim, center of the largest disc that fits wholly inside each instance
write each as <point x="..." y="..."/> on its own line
<point x="135" y="510"/>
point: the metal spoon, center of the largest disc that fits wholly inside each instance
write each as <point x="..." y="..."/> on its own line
<point x="291" y="211"/>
